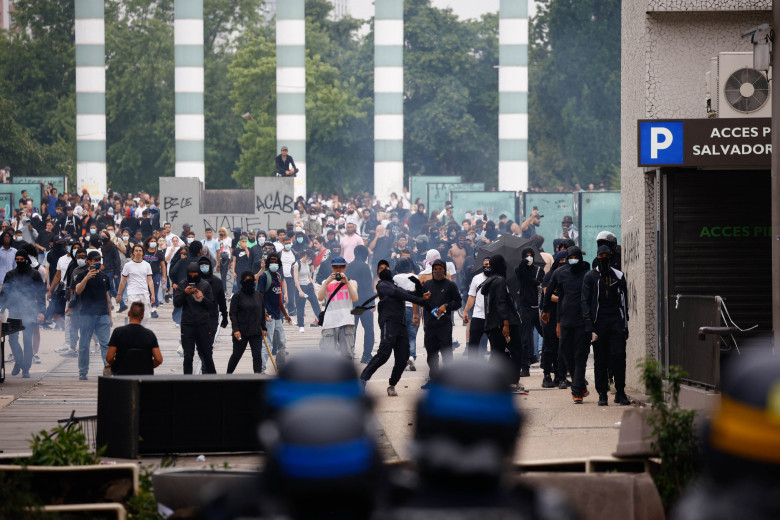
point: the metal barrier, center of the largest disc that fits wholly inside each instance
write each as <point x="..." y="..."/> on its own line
<point x="697" y="355"/>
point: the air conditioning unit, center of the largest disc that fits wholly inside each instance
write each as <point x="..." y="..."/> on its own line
<point x="735" y="88"/>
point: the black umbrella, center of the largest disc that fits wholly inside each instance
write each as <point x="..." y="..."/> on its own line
<point x="511" y="248"/>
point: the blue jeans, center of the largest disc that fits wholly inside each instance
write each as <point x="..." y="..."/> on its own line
<point x="101" y="327"/>
<point x="277" y="340"/>
<point x="156" y="278"/>
<point x="113" y="283"/>
<point x="300" y="303"/>
<point x="411" y="331"/>
<point x="367" y="321"/>
<point x="23" y="358"/>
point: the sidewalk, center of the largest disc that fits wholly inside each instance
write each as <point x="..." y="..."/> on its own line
<point x="553" y="427"/>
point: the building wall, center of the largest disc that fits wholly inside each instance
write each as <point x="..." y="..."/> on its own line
<point x="666" y="48"/>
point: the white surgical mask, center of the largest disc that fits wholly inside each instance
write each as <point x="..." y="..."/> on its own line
<point x="152" y="245"/>
<point x="125" y="239"/>
<point x="82" y="262"/>
<point x="190" y="240"/>
<point x="261" y="240"/>
<point x="529" y="260"/>
<point x="573" y="261"/>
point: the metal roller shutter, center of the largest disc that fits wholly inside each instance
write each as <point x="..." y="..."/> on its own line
<point x="720" y="240"/>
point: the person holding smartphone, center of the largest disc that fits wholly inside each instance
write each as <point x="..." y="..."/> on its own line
<point x="444" y="300"/>
<point x="94" y="290"/>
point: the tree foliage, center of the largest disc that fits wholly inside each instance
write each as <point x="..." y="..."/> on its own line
<point x="574" y="98"/>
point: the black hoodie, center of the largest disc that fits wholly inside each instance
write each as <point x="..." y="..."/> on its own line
<point x="567" y="281"/>
<point x="528" y="280"/>
<point x="195" y="312"/>
<point x="216" y="288"/>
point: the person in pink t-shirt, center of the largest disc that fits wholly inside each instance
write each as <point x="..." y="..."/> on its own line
<point x="350" y="242"/>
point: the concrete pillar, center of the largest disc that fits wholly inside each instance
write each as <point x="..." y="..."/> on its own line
<point x="513" y="95"/>
<point x="188" y="56"/>
<point x="291" y="85"/>
<point x="388" y="98"/>
<point x="90" y="97"/>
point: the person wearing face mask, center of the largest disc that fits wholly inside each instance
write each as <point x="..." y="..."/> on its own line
<point x="529" y="276"/>
<point x="502" y="322"/>
<point x="391" y="312"/>
<point x="552" y="356"/>
<point x="312" y="226"/>
<point x="242" y="261"/>
<point x="299" y="242"/>
<point x="272" y="286"/>
<point x="256" y="252"/>
<point x="574" y="341"/>
<point x="245" y="307"/>
<point x="93" y="288"/>
<point x="24" y="297"/>
<point x="605" y="309"/>
<point x="445" y="299"/>
<point x="112" y="261"/>
<point x="156" y="260"/>
<point x="196" y="300"/>
<point x="288" y="258"/>
<point x="207" y="273"/>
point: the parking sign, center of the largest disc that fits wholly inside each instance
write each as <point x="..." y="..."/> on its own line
<point x="661" y="142"/>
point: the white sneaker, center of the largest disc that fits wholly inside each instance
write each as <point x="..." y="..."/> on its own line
<point x="301" y="330"/>
<point x="180" y="351"/>
<point x="64" y="348"/>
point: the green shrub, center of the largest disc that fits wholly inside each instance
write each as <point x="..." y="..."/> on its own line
<point x="675" y="439"/>
<point x="61" y="447"/>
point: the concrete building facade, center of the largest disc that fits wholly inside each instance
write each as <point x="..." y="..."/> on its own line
<point x="666" y="50"/>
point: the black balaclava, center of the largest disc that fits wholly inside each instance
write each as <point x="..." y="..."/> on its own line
<point x="497" y="265"/>
<point x="576" y="252"/>
<point x="193" y="268"/>
<point x="23" y="267"/>
<point x="524" y="263"/>
<point x="386" y="275"/>
<point x="247" y="282"/>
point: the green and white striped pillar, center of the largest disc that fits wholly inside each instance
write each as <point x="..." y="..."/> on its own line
<point x="513" y="95"/>
<point x="90" y="97"/>
<point x="291" y="85"/>
<point x="188" y="69"/>
<point x="388" y="98"/>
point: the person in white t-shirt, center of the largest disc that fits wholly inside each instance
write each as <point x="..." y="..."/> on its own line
<point x="137" y="274"/>
<point x="402" y="280"/>
<point x="476" y="331"/>
<point x="338" y="326"/>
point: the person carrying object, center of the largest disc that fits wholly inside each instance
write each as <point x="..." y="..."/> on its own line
<point x="245" y="307"/>
<point x="196" y="300"/>
<point x="445" y="299"/>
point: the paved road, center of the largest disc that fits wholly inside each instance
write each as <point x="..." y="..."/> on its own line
<point x="553" y="428"/>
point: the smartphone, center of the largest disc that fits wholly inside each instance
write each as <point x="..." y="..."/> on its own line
<point x="192" y="284"/>
<point x="92" y="267"/>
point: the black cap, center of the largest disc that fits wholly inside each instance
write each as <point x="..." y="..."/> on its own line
<point x="93" y="255"/>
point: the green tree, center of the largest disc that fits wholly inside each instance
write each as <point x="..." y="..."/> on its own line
<point x="574" y="98"/>
<point x="451" y="93"/>
<point x="37" y="90"/>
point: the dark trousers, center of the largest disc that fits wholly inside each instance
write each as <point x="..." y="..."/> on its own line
<point x="300" y="303"/>
<point x="477" y="344"/>
<point x="575" y="345"/>
<point x="197" y="336"/>
<point x="23" y="358"/>
<point x="213" y="331"/>
<point x="509" y="353"/>
<point x="394" y="339"/>
<point x="530" y="321"/>
<point x="224" y="269"/>
<point x="292" y="292"/>
<point x="609" y="352"/>
<point x="367" y="321"/>
<point x="438" y="339"/>
<point x="239" y="347"/>
<point x="552" y="356"/>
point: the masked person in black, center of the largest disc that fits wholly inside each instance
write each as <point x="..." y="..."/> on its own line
<point x="445" y="299"/>
<point x="392" y="324"/>
<point x="502" y="323"/>
<point x="196" y="300"/>
<point x="529" y="276"/>
<point x="605" y="238"/>
<point x="220" y="306"/>
<point x="246" y="309"/>
<point x="575" y="340"/>
<point x="552" y="357"/>
<point x="605" y="309"/>
<point x="24" y="295"/>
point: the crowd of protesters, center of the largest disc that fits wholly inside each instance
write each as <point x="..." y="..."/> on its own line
<point x="76" y="261"/>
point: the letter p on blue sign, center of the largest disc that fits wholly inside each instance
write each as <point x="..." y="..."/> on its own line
<point x="660" y="142"/>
